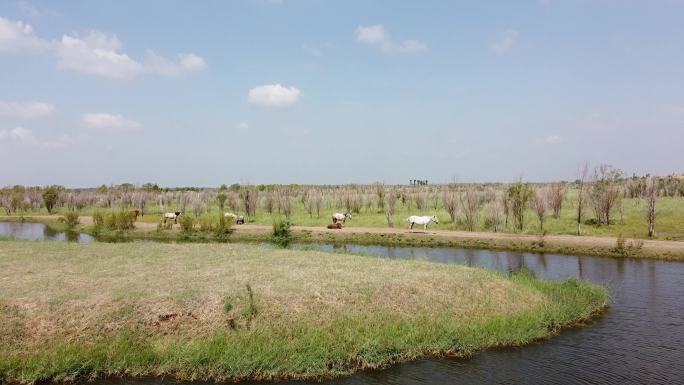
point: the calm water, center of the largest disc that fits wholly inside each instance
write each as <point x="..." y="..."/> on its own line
<point x="640" y="340"/>
<point x="40" y="232"/>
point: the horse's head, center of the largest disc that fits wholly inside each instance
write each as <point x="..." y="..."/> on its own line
<point x="178" y="213"/>
<point x="434" y="219"/>
<point x="347" y="215"/>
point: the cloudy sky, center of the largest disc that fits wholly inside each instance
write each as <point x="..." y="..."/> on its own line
<point x="298" y="91"/>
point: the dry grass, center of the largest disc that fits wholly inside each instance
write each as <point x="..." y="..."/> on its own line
<point x="313" y="313"/>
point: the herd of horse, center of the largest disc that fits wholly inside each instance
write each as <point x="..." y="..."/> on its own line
<point x="337" y="219"/>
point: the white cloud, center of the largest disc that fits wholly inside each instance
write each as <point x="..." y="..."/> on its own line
<point x="550" y="140"/>
<point x="242" y="126"/>
<point x="18" y="36"/>
<point x="99" y="54"/>
<point x="25" y="137"/>
<point x="26" y="110"/>
<point x="273" y="95"/>
<point x="186" y="63"/>
<point x="96" y="54"/>
<point x="377" y="36"/>
<point x="17" y="135"/>
<point x="506" y="41"/>
<point x="109" y="122"/>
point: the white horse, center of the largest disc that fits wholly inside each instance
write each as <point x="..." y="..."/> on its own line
<point x="173" y="215"/>
<point x="425" y="221"/>
<point x="341" y="217"/>
<point x="239" y="219"/>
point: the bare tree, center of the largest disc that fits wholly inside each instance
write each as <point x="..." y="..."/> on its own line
<point x="495" y="213"/>
<point x="269" y="202"/>
<point x="539" y="202"/>
<point x="582" y="174"/>
<point x="250" y="199"/>
<point x="470" y="203"/>
<point x="556" y="196"/>
<point x="605" y="192"/>
<point x="519" y="195"/>
<point x="650" y="198"/>
<point x="197" y="205"/>
<point x="308" y="200"/>
<point x="420" y="198"/>
<point x="391" y="198"/>
<point x="380" y="193"/>
<point x="317" y="202"/>
<point x="450" y="201"/>
<point x="284" y="202"/>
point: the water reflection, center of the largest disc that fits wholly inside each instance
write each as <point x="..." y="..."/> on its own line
<point x="40" y="232"/>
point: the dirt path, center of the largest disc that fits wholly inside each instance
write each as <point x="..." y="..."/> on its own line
<point x="590" y="241"/>
<point x="563" y="240"/>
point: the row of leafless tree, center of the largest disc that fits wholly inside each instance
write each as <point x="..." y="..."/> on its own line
<point x="497" y="206"/>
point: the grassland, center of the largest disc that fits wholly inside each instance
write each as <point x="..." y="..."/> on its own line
<point x="629" y="222"/>
<point x="229" y="312"/>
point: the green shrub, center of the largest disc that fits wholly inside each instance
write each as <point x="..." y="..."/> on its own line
<point x="124" y="221"/>
<point x="282" y="235"/>
<point x="223" y="227"/>
<point x="207" y="223"/>
<point x="71" y="219"/>
<point x="186" y="223"/>
<point x="50" y="196"/>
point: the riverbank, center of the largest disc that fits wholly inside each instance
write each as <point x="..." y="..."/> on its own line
<point x="231" y="312"/>
<point x="557" y="244"/>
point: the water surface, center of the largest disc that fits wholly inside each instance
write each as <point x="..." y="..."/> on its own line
<point x="40" y="232"/>
<point x="639" y="340"/>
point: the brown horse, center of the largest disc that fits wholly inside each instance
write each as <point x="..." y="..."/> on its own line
<point x="337" y="225"/>
<point x="134" y="214"/>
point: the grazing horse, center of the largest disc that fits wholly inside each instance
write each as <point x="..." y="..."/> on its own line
<point x="335" y="226"/>
<point x="239" y="219"/>
<point x="173" y="216"/>
<point x="341" y="217"/>
<point x="425" y="221"/>
<point x="134" y="214"/>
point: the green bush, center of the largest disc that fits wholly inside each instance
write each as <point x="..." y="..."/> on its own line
<point x="110" y="221"/>
<point x="124" y="221"/>
<point x="223" y="227"/>
<point x="207" y="223"/>
<point x="186" y="223"/>
<point x="282" y="235"/>
<point x="50" y="196"/>
<point x="71" y="219"/>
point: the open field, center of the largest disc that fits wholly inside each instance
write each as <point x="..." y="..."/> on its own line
<point x="214" y="311"/>
<point x="369" y="209"/>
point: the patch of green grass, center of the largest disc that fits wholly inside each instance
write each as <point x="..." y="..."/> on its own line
<point x="230" y="312"/>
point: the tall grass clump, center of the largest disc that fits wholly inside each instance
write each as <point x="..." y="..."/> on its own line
<point x="99" y="218"/>
<point x="124" y="221"/>
<point x="71" y="219"/>
<point x="186" y="223"/>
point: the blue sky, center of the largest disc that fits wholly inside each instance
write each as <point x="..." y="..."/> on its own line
<point x="204" y="93"/>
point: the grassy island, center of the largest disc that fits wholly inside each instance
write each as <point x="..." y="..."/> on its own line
<point x="235" y="311"/>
